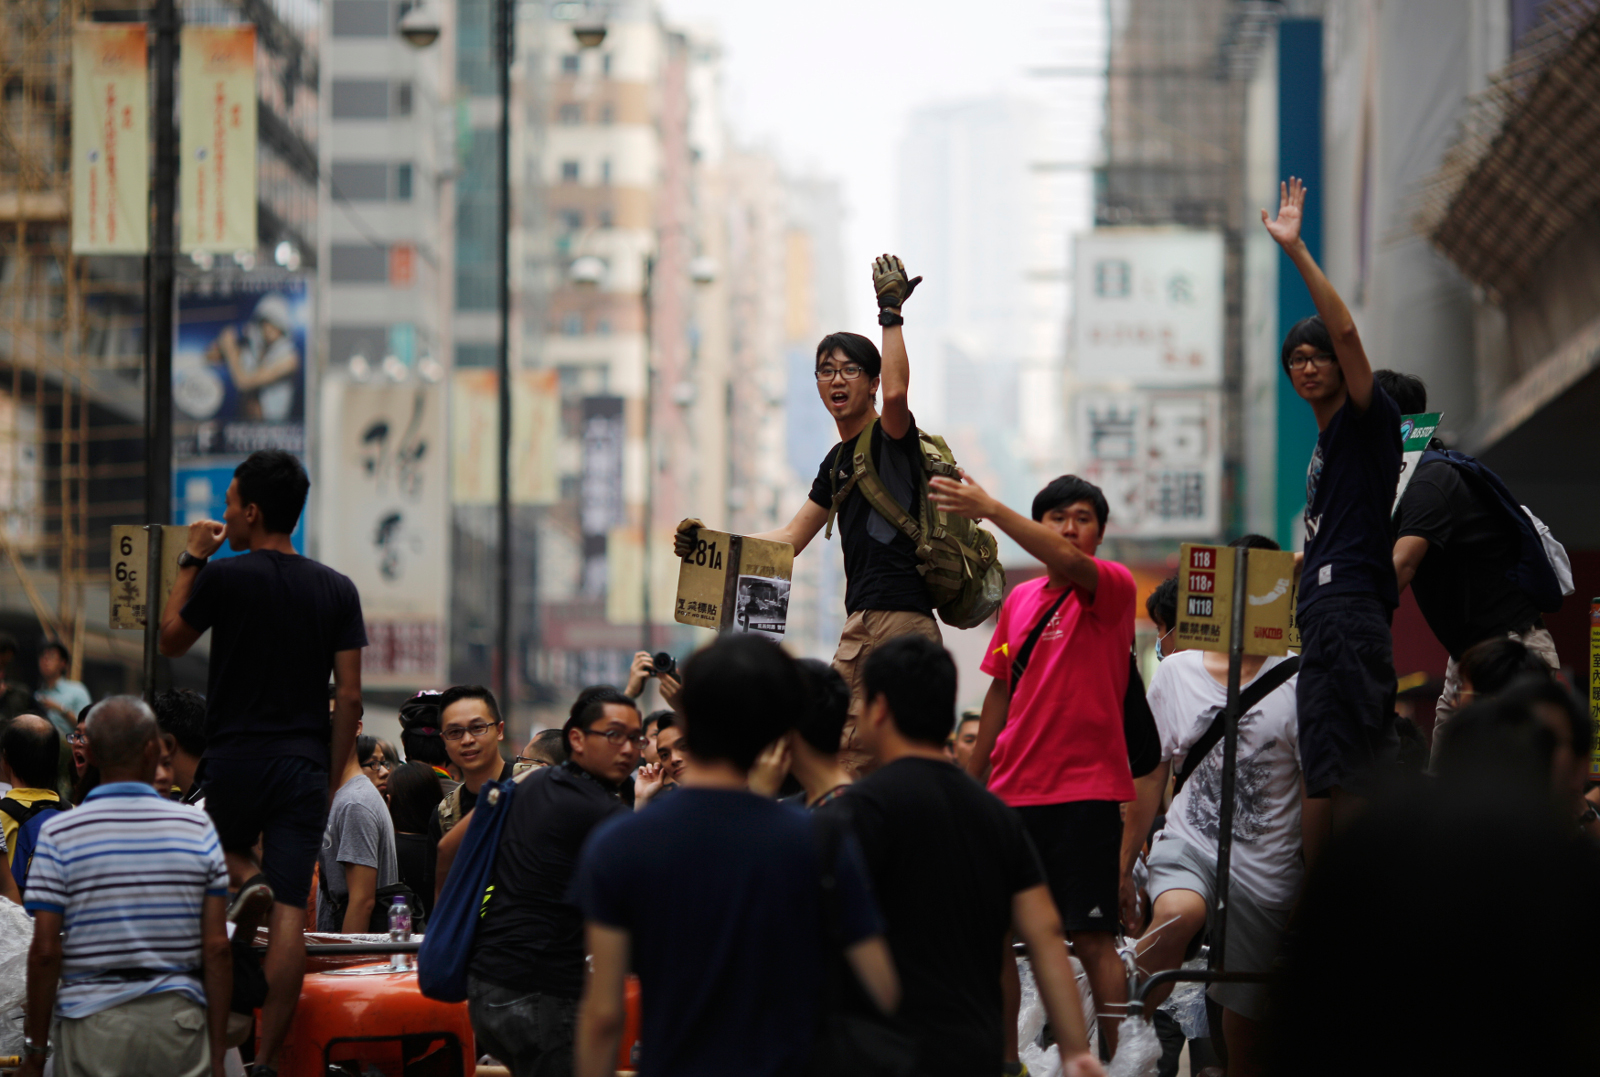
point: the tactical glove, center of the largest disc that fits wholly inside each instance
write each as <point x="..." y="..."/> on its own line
<point x="889" y="281"/>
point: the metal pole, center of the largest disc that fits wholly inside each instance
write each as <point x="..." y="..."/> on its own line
<point x="503" y="659"/>
<point x="648" y="642"/>
<point x="160" y="280"/>
<point x="1230" y="756"/>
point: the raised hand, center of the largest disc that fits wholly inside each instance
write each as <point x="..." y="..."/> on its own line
<point x="205" y="537"/>
<point x="964" y="498"/>
<point x="683" y="539"/>
<point x="889" y="281"/>
<point x="1285" y="228"/>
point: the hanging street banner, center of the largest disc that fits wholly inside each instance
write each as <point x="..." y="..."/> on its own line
<point x="475" y="434"/>
<point x="217" y="116"/>
<point x="110" y="139"/>
<point x="1205" y="599"/>
<point x="383" y="481"/>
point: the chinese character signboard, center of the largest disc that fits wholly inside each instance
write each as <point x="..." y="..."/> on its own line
<point x="1158" y="457"/>
<point x="730" y="583"/>
<point x="110" y="140"/>
<point x="600" y="504"/>
<point x="217" y="177"/>
<point x="383" y="481"/>
<point x="1149" y="308"/>
<point x="1205" y="599"/>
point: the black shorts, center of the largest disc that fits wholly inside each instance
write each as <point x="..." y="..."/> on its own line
<point x="281" y="801"/>
<point x="1080" y="845"/>
<point x="1345" y="694"/>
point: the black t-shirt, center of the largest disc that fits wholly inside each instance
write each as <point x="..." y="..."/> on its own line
<point x="276" y="622"/>
<point x="880" y="562"/>
<point x="1461" y="586"/>
<point x="721" y="893"/>
<point x="945" y="857"/>
<point x="531" y="937"/>
<point x="1350" y="486"/>
<point x="417" y="856"/>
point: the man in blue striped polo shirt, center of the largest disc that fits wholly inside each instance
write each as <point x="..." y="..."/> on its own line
<point x="129" y="894"/>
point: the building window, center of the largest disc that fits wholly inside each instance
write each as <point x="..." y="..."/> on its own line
<point x="358" y="264"/>
<point x="402" y="99"/>
<point x="605" y="64"/>
<point x="572" y="325"/>
<point x="402" y="183"/>
<point x="571" y="114"/>
<point x="360" y="181"/>
<point x="605" y="170"/>
<point x="360" y="99"/>
<point x="477" y="355"/>
<point x="569" y="64"/>
<point x="569" y="171"/>
<point x="608" y="114"/>
<point x="360" y="18"/>
<point x="603" y="327"/>
<point x="571" y="220"/>
<point x="603" y="218"/>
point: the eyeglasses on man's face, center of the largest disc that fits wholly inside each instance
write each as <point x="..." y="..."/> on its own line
<point x="77" y="738"/>
<point x="1316" y="360"/>
<point x="851" y="372"/>
<point x="619" y="737"/>
<point x="475" y="730"/>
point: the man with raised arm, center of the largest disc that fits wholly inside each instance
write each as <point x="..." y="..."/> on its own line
<point x="884" y="594"/>
<point x="1345" y="695"/>
<point x="280" y="625"/>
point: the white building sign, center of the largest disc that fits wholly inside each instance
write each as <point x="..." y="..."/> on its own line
<point x="1158" y="457"/>
<point x="1148" y="308"/>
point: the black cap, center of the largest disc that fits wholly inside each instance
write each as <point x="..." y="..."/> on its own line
<point x="420" y="713"/>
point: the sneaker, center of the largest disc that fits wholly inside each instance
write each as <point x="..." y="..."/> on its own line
<point x="251" y="904"/>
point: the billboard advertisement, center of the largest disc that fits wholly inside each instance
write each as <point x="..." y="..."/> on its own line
<point x="383" y="479"/>
<point x="1158" y="457"/>
<point x="1149" y="308"/>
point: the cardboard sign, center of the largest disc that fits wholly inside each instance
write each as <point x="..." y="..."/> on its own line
<point x="1415" y="433"/>
<point x="1205" y="600"/>
<point x="730" y="583"/>
<point x="130" y="564"/>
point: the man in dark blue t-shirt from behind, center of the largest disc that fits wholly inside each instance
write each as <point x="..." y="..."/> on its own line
<point x="734" y="987"/>
<point x="280" y="625"/>
<point x="1347" y="583"/>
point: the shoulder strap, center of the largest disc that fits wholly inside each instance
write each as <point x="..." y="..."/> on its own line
<point x="1019" y="664"/>
<point x="16" y="809"/>
<point x="877" y="494"/>
<point x="1259" y="689"/>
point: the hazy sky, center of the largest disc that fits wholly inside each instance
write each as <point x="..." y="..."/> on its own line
<point x="828" y="85"/>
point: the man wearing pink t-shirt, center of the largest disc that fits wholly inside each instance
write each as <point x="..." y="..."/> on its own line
<point x="1052" y="745"/>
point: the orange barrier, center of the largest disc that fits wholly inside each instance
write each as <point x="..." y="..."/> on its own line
<point x="379" y="1022"/>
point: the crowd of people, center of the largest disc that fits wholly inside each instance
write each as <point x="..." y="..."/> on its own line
<point x="820" y="868"/>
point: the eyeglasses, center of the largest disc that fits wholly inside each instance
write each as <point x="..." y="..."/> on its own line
<point x="475" y="730"/>
<point x="1316" y="360"/>
<point x="77" y="738"/>
<point x="851" y="372"/>
<point x="531" y="761"/>
<point x="618" y="737"/>
<point x="376" y="765"/>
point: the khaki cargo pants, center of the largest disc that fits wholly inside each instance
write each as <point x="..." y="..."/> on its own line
<point x="863" y="631"/>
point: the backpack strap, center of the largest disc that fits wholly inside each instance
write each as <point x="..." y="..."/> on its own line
<point x="1263" y="686"/>
<point x="1019" y="664"/>
<point x="26" y="813"/>
<point x="839" y="494"/>
<point x="877" y="494"/>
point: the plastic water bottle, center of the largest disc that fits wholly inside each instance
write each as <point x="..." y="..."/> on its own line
<point x="400" y="929"/>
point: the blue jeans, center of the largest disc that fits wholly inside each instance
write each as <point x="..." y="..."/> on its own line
<point x="528" y="1032"/>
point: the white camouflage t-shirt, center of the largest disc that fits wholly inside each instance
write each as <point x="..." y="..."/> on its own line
<point x="1266" y="823"/>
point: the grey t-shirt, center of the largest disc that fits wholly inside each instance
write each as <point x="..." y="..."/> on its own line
<point x="359" y="832"/>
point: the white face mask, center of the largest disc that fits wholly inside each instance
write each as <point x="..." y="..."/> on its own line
<point x="1160" y="654"/>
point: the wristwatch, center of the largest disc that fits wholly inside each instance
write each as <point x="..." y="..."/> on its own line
<point x="34" y="1049"/>
<point x="189" y="560"/>
<point x="887" y="317"/>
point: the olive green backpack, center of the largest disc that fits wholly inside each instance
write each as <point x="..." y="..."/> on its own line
<point x="959" y="561"/>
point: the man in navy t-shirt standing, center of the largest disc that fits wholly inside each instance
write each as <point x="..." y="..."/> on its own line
<point x="280" y="625"/>
<point x="735" y="986"/>
<point x="1347" y="582"/>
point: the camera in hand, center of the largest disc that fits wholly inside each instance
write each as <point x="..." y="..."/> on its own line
<point x="663" y="665"/>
